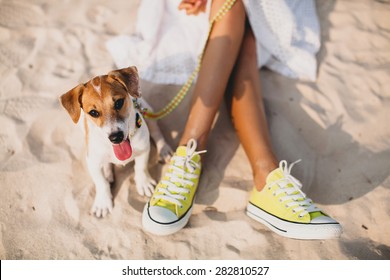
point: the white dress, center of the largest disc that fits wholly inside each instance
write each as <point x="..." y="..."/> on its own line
<point x="167" y="42"/>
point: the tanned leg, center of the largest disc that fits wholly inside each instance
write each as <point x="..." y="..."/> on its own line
<point x="231" y="53"/>
<point x="218" y="61"/>
<point x="248" y="113"/>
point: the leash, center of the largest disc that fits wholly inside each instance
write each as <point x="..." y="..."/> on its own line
<point x="172" y="105"/>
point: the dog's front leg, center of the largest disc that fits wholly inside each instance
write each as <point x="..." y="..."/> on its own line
<point x="143" y="181"/>
<point x="103" y="198"/>
<point x="164" y="151"/>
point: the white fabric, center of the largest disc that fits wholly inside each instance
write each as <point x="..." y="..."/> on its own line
<point x="167" y="42"/>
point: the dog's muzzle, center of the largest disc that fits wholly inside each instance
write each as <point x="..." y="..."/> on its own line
<point x="116" y="137"/>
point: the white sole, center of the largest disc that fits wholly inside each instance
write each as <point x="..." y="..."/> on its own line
<point x="157" y="228"/>
<point x="294" y="230"/>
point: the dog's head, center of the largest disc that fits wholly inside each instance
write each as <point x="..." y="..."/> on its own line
<point x="106" y="101"/>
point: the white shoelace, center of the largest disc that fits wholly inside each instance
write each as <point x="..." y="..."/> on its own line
<point x="291" y="186"/>
<point x="178" y="174"/>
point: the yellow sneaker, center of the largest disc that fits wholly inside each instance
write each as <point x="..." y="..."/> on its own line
<point x="286" y="210"/>
<point x="170" y="206"/>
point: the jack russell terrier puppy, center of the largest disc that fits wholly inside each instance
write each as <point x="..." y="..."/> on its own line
<point x="115" y="131"/>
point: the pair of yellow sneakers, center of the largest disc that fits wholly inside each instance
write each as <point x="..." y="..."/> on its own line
<point x="281" y="205"/>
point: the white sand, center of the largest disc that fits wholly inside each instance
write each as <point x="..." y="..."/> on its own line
<point x="339" y="126"/>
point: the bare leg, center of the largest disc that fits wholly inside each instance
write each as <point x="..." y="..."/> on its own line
<point x="169" y="208"/>
<point x="228" y="49"/>
<point x="218" y="62"/>
<point x="248" y="112"/>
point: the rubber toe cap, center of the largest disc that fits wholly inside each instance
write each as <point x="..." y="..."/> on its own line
<point x="162" y="215"/>
<point x="323" y="220"/>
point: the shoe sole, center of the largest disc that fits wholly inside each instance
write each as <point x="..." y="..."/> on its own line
<point x="294" y="230"/>
<point x="161" y="229"/>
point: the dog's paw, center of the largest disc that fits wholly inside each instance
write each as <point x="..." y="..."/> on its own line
<point x="144" y="184"/>
<point x="102" y="206"/>
<point x="164" y="151"/>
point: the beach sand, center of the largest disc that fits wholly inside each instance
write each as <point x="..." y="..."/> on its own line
<point x="338" y="126"/>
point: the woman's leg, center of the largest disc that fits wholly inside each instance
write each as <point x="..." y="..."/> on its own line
<point x="248" y="113"/>
<point x="281" y="205"/>
<point x="232" y="45"/>
<point x="171" y="204"/>
<point x="217" y="65"/>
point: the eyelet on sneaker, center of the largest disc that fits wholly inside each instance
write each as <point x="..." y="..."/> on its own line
<point x="286" y="205"/>
<point x="181" y="206"/>
<point x="269" y="188"/>
<point x="294" y="211"/>
<point x="280" y="200"/>
<point x="274" y="194"/>
<point x="184" y="198"/>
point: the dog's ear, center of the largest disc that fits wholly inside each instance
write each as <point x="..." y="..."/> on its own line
<point x="72" y="102"/>
<point x="128" y="77"/>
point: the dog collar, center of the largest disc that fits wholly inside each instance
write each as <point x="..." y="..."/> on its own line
<point x="138" y="109"/>
<point x="138" y="118"/>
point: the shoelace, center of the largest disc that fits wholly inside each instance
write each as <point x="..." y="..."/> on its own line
<point x="177" y="174"/>
<point x="291" y="186"/>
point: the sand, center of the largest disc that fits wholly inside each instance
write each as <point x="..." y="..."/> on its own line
<point x="338" y="125"/>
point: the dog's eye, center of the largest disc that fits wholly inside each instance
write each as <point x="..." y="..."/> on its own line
<point x="94" y="113"/>
<point x="119" y="104"/>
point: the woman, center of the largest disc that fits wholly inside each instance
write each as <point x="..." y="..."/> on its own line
<point x="231" y="58"/>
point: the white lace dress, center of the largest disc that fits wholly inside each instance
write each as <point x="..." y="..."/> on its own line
<point x="167" y="42"/>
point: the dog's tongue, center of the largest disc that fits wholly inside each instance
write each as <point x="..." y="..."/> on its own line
<point x="123" y="150"/>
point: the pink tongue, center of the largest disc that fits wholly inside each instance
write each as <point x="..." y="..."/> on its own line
<point x="123" y="150"/>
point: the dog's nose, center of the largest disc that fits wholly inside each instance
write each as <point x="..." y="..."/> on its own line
<point x="116" y="137"/>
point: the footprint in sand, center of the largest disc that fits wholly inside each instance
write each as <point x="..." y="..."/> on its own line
<point x="25" y="108"/>
<point x="16" y="52"/>
<point x="19" y="46"/>
<point x="14" y="112"/>
<point x="9" y="141"/>
<point x="99" y="14"/>
<point x="18" y="14"/>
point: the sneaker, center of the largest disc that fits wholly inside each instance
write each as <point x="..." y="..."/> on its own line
<point x="286" y="210"/>
<point x="171" y="204"/>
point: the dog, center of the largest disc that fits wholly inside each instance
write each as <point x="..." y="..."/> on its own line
<point x="115" y="131"/>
